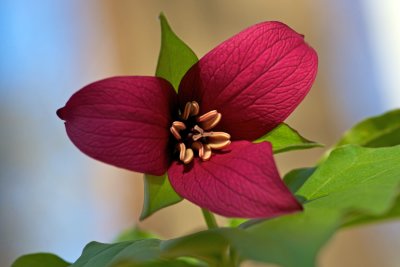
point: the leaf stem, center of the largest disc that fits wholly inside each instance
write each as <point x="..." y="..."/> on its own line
<point x="234" y="257"/>
<point x="210" y="219"/>
<point x="230" y="258"/>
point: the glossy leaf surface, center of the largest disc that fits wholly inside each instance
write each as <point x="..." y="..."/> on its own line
<point x="158" y="194"/>
<point x="40" y="260"/>
<point x="355" y="179"/>
<point x="379" y="131"/>
<point x="284" y="138"/>
<point x="175" y="56"/>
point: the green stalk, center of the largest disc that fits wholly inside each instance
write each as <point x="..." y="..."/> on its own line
<point x="210" y="219"/>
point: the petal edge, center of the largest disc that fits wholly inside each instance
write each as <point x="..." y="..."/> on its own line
<point x="123" y="121"/>
<point x="264" y="72"/>
<point x="241" y="181"/>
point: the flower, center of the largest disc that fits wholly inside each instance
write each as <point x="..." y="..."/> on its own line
<point x="202" y="136"/>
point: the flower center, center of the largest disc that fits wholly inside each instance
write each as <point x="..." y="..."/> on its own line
<point x="194" y="135"/>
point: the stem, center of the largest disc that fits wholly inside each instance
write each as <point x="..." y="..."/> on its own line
<point x="210" y="219"/>
<point x="230" y="258"/>
<point x="234" y="257"/>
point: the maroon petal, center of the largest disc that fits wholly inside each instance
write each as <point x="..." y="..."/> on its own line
<point x="241" y="181"/>
<point x="123" y="121"/>
<point x="255" y="79"/>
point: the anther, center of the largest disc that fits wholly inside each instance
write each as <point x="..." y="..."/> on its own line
<point x="175" y="133"/>
<point x="204" y="150"/>
<point x="194" y="111"/>
<point x="209" y="115"/>
<point x="198" y="136"/>
<point x="189" y="155"/>
<point x="218" y="145"/>
<point x="179" y="125"/>
<point x="186" y="111"/>
<point x="186" y="155"/>
<point x="218" y="140"/>
<point x="207" y="153"/>
<point x="182" y="151"/>
<point x="219" y="136"/>
<point x="209" y="120"/>
<point x="198" y="129"/>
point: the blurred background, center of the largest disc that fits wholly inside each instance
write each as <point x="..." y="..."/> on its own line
<point x="53" y="198"/>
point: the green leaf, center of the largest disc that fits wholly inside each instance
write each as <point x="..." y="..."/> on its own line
<point x="163" y="263"/>
<point x="139" y="253"/>
<point x="101" y="255"/>
<point x="291" y="240"/>
<point x="40" y="260"/>
<point x="283" y="138"/>
<point x="148" y="252"/>
<point x="355" y="179"/>
<point x="158" y="194"/>
<point x="208" y="246"/>
<point x="135" y="233"/>
<point x="295" y="179"/>
<point x="175" y="56"/>
<point x="359" y="219"/>
<point x="379" y="131"/>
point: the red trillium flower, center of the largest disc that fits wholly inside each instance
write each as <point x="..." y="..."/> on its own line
<point x="202" y="136"/>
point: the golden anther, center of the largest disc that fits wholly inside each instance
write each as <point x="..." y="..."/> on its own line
<point x="182" y="151"/>
<point x="218" y="136"/>
<point x="194" y="111"/>
<point x="208" y="116"/>
<point x="175" y="133"/>
<point x="203" y="150"/>
<point x="199" y="137"/>
<point x="186" y="111"/>
<point x="189" y="155"/>
<point x="206" y="155"/>
<point x="219" y="144"/>
<point x="179" y="125"/>
<point x="198" y="129"/>
<point x="209" y="124"/>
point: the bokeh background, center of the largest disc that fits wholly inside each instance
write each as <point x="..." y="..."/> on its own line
<point x="53" y="198"/>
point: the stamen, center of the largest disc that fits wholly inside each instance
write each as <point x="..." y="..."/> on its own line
<point x="218" y="145"/>
<point x="200" y="133"/>
<point x="222" y="136"/>
<point x="209" y="120"/>
<point x="209" y="115"/>
<point x="189" y="155"/>
<point x="207" y="153"/>
<point x="175" y="133"/>
<point x="204" y="150"/>
<point x="198" y="136"/>
<point x="219" y="140"/>
<point x="194" y="111"/>
<point x="182" y="151"/>
<point x="186" y="112"/>
<point x="197" y="128"/>
<point x="179" y="125"/>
